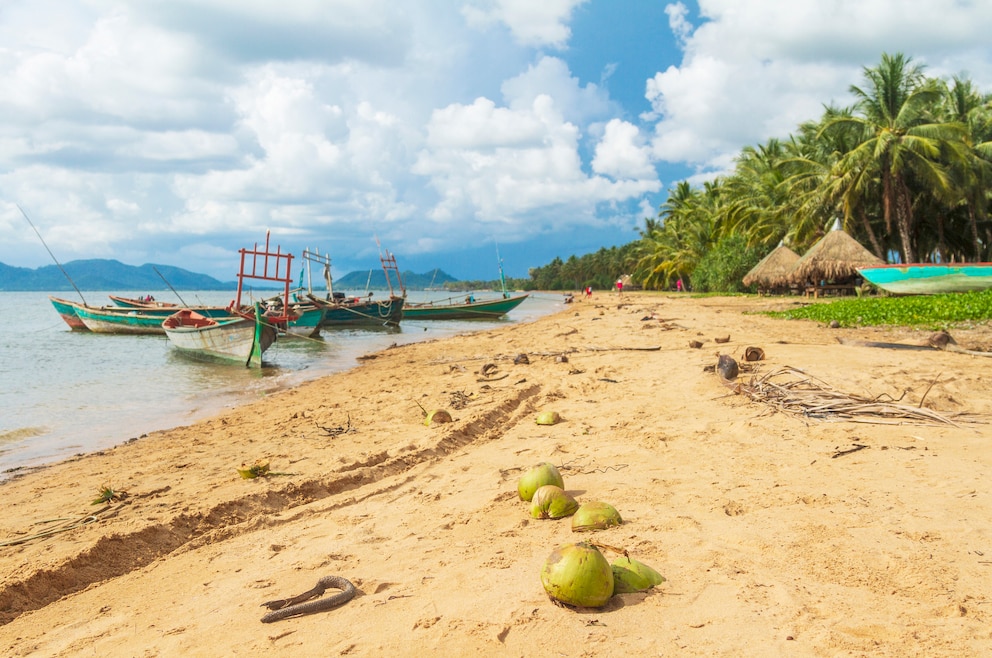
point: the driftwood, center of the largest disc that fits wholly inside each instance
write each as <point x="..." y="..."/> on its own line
<point x="806" y="396"/>
<point x="940" y="340"/>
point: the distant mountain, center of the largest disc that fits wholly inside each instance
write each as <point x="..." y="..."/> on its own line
<point x="101" y="274"/>
<point x="357" y="281"/>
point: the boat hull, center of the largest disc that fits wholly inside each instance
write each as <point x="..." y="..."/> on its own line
<point x="928" y="278"/>
<point x="378" y="313"/>
<point x="481" y="310"/>
<point x="307" y="322"/>
<point x="67" y="311"/>
<point x="231" y="340"/>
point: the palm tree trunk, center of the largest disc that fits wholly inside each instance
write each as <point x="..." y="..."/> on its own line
<point x="876" y="247"/>
<point x="904" y="220"/>
<point x="973" y="220"/>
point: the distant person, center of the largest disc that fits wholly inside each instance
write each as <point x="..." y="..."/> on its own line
<point x="588" y="292"/>
<point x="620" y="287"/>
<point x="678" y="285"/>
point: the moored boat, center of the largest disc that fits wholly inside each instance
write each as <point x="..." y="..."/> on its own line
<point x="467" y="309"/>
<point x="235" y="339"/>
<point x="929" y="278"/>
<point x="67" y="311"/>
<point x="243" y="337"/>
<point x="130" y="302"/>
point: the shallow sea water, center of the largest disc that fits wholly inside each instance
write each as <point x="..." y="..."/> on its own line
<point x="63" y="393"/>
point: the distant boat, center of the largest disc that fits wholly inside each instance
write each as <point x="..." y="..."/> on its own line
<point x="458" y="309"/>
<point x="467" y="309"/>
<point x="236" y="339"/>
<point x="929" y="278"/>
<point x="130" y="302"/>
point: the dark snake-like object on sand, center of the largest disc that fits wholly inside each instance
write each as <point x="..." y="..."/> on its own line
<point x="295" y="606"/>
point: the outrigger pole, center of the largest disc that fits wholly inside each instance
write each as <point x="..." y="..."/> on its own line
<point x="50" y="253"/>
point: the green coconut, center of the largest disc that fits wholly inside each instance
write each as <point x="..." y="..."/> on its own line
<point x="629" y="575"/>
<point x="552" y="502"/>
<point x="542" y="474"/>
<point x="579" y="575"/>
<point x="548" y="418"/>
<point x="595" y="516"/>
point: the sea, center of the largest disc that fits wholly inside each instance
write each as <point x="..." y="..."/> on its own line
<point x="64" y="393"/>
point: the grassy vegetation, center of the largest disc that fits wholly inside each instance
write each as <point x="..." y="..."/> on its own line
<point x="928" y="312"/>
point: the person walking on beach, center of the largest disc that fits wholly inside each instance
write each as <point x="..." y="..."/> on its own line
<point x="620" y="287"/>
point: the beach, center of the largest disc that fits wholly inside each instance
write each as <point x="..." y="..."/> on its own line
<point x="778" y="533"/>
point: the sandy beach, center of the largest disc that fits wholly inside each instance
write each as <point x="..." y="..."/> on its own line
<point x="779" y="533"/>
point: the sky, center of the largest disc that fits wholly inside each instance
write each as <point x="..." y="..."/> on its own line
<point x="177" y="132"/>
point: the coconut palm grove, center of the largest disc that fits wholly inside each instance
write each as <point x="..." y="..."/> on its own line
<point x="906" y="169"/>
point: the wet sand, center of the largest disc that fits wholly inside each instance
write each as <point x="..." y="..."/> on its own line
<point x="778" y="533"/>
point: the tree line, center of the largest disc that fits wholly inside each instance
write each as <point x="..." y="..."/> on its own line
<point x="907" y="169"/>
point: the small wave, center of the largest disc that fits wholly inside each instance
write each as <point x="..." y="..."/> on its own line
<point x="20" y="433"/>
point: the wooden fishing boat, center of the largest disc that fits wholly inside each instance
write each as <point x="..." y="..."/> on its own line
<point x="120" y="320"/>
<point x="358" y="311"/>
<point x="130" y="302"/>
<point x="243" y="337"/>
<point x="467" y="308"/>
<point x="235" y="339"/>
<point x="340" y="310"/>
<point x="117" y="320"/>
<point x="929" y="278"/>
<point x="463" y="309"/>
<point x="67" y="311"/>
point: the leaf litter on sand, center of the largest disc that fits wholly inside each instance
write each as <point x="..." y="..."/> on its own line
<point x="793" y="391"/>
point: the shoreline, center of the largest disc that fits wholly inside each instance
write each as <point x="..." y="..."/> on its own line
<point x="772" y="539"/>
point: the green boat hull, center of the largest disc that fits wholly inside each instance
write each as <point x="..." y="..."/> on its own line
<point x="481" y="310"/>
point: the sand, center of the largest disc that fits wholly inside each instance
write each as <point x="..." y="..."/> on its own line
<point x="777" y="533"/>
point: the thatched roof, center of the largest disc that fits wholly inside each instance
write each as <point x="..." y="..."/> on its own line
<point x="836" y="256"/>
<point x="773" y="270"/>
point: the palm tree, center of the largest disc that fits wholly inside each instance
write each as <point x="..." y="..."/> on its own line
<point x="902" y="145"/>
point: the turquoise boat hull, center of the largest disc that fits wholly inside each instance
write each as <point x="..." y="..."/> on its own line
<point x="929" y="278"/>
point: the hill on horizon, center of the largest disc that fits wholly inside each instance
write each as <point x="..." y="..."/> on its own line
<point x="107" y="274"/>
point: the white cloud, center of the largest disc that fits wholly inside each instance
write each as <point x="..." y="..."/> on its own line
<point x="756" y="70"/>
<point x="620" y="154"/>
<point x="533" y="23"/>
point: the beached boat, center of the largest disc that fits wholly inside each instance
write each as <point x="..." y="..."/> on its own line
<point x="67" y="311"/>
<point x="234" y="339"/>
<point x="244" y="336"/>
<point x="929" y="278"/>
<point x="463" y="309"/>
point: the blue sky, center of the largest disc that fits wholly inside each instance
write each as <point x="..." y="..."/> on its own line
<point x="178" y="131"/>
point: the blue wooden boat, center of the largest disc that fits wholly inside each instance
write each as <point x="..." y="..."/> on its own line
<point x="929" y="278"/>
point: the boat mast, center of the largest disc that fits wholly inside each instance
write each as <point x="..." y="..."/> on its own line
<point x="73" y="283"/>
<point x="502" y="278"/>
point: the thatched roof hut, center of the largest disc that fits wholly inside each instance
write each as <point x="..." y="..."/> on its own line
<point x="773" y="270"/>
<point x="836" y="256"/>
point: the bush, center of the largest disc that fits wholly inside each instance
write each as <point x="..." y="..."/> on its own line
<point x="723" y="267"/>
